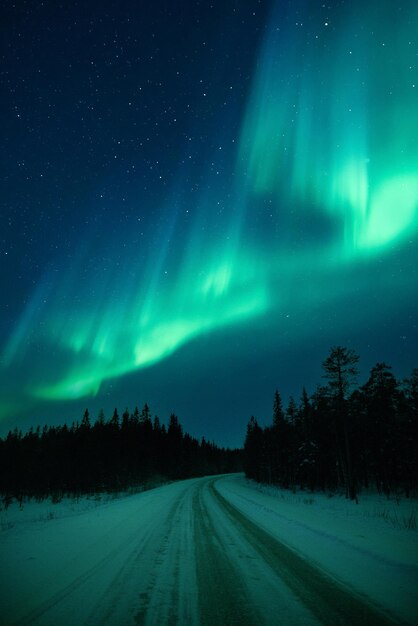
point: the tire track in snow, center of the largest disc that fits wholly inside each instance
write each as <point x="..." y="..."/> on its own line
<point x="40" y="613"/>
<point x="129" y="589"/>
<point x="265" y="599"/>
<point x="170" y="596"/>
<point x="89" y="599"/>
<point x="329" y="601"/>
<point x="222" y="595"/>
<point x="192" y="558"/>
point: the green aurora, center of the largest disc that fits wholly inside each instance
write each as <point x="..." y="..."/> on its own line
<point x="323" y="185"/>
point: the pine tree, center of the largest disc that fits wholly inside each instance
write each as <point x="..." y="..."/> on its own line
<point x="276" y="445"/>
<point x="292" y="421"/>
<point x="409" y="429"/>
<point x="175" y="447"/>
<point x="341" y="371"/>
<point x="145" y="414"/>
<point x="278" y="416"/>
<point x="381" y="396"/>
<point x="253" y="450"/>
<point x="125" y="420"/>
<point x="85" y="422"/>
<point x="100" y="419"/>
<point x="114" y="421"/>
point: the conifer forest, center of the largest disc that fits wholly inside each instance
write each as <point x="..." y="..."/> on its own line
<point x="344" y="437"/>
<point x="118" y="454"/>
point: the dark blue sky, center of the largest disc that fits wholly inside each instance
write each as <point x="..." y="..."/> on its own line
<point x="198" y="200"/>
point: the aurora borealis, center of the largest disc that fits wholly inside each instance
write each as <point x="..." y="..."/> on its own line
<point x="200" y="200"/>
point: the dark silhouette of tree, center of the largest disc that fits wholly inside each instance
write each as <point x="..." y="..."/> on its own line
<point x="381" y="396"/>
<point x="253" y="450"/>
<point x="174" y="450"/>
<point x="85" y="422"/>
<point x="278" y="415"/>
<point x="105" y="456"/>
<point x="114" y="422"/>
<point x="341" y="438"/>
<point x="293" y="438"/>
<point x="276" y="445"/>
<point x="408" y="433"/>
<point x="341" y="372"/>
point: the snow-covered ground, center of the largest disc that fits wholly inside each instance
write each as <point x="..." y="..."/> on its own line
<point x="210" y="551"/>
<point x="371" y="546"/>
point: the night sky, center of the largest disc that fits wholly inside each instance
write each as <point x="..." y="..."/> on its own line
<point x="199" y="199"/>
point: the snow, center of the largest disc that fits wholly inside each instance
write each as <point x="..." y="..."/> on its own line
<point x="366" y="546"/>
<point x="146" y="558"/>
<point x="61" y="565"/>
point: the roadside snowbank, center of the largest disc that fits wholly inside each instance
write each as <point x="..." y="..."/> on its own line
<point x="368" y="547"/>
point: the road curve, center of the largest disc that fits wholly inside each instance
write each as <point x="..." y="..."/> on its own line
<point x="183" y="554"/>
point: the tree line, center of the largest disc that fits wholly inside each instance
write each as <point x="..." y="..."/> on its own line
<point x="108" y="455"/>
<point x="344" y="437"/>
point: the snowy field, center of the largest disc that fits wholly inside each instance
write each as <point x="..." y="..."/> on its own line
<point x="210" y="551"/>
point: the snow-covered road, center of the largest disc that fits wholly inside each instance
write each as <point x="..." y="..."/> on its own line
<point x="203" y="551"/>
